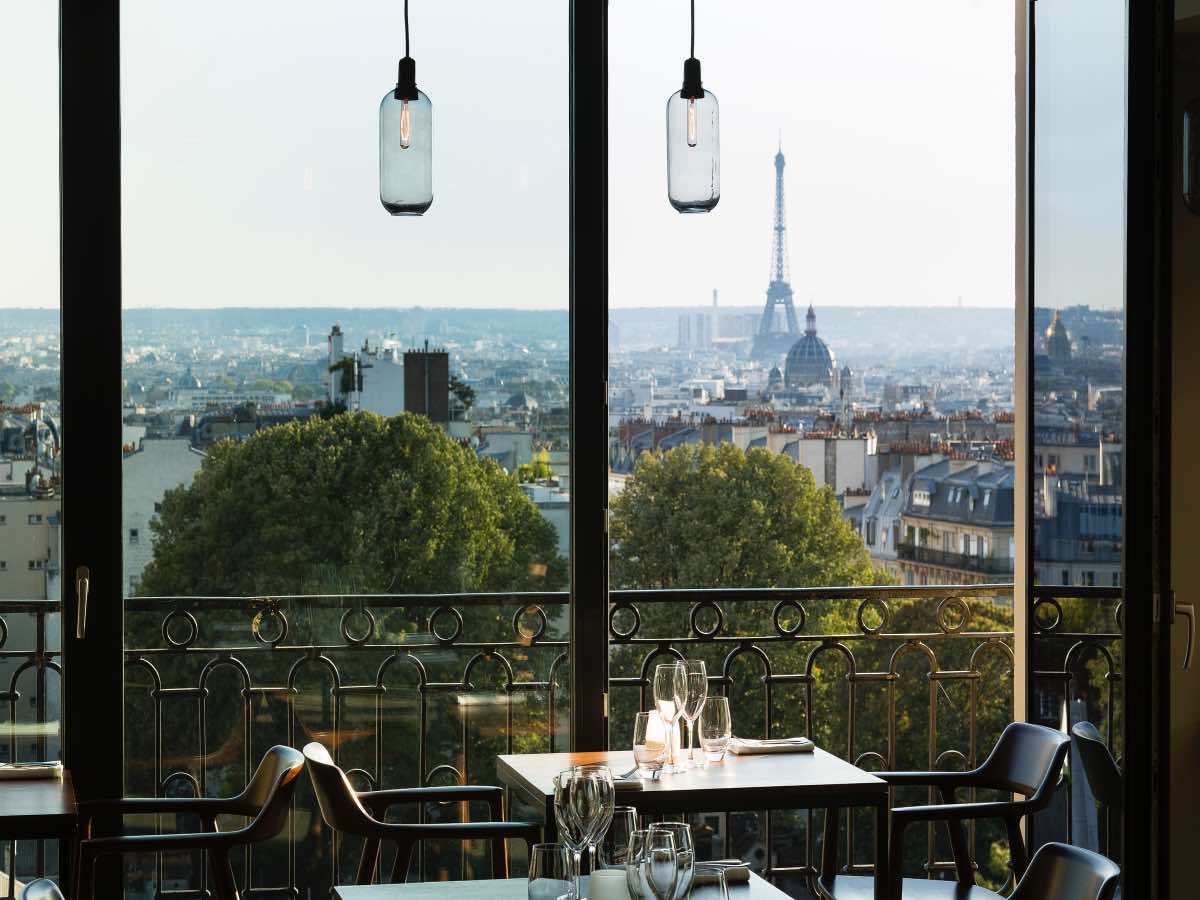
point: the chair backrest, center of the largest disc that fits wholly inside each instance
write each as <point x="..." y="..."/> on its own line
<point x="1068" y="873"/>
<point x="42" y="889"/>
<point x="275" y="782"/>
<point x="339" y="803"/>
<point x="1027" y="760"/>
<point x="1103" y="773"/>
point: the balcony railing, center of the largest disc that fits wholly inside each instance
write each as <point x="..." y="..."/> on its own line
<point x="430" y="689"/>
<point x="947" y="559"/>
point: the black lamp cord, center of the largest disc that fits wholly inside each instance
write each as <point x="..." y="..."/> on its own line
<point x="692" y="50"/>
<point x="406" y="53"/>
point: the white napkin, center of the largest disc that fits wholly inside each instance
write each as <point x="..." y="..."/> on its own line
<point x="751" y="747"/>
<point x="735" y="870"/>
<point x="49" y="769"/>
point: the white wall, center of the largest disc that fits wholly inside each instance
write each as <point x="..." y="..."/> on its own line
<point x="147" y="475"/>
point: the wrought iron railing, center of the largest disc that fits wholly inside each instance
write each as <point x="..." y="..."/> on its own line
<point x="429" y="689"/>
<point x="949" y="559"/>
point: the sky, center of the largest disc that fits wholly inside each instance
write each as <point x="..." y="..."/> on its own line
<point x="250" y="153"/>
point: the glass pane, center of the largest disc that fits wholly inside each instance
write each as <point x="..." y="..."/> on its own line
<point x="30" y="419"/>
<point x="811" y="387"/>
<point x="1078" y="402"/>
<point x="347" y="460"/>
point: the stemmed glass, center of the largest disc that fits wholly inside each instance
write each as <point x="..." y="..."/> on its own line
<point x="571" y="831"/>
<point x="649" y="751"/>
<point x="614" y="847"/>
<point x="653" y="867"/>
<point x="592" y="796"/>
<point x="550" y="873"/>
<point x="685" y="854"/>
<point x="693" y="702"/>
<point x="670" y="690"/>
<point x="715" y="730"/>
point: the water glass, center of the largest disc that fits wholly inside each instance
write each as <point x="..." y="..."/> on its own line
<point x="649" y="747"/>
<point x="713" y="874"/>
<point x="550" y="875"/>
<point x="572" y="832"/>
<point x="685" y="855"/>
<point x="670" y="691"/>
<point x="693" y="701"/>
<point x="614" y="848"/>
<point x="592" y="796"/>
<point x="715" y="728"/>
<point x="652" y="869"/>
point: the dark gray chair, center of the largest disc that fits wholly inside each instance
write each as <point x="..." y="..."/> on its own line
<point x="345" y="810"/>
<point x="1028" y="760"/>
<point x="1104" y="778"/>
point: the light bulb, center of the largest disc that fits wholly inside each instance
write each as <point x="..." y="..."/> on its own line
<point x="691" y="122"/>
<point x="405" y="126"/>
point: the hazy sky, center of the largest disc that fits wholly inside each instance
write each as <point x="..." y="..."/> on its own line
<point x="251" y="160"/>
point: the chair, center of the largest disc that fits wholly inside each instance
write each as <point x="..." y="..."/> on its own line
<point x="360" y="813"/>
<point x="265" y="801"/>
<point x="1026" y="760"/>
<point x="1103" y="776"/>
<point x="42" y="889"/>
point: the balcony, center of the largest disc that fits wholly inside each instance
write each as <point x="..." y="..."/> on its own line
<point x="946" y="559"/>
<point x="430" y="689"/>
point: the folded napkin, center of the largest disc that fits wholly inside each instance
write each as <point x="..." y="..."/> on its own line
<point x="750" y="747"/>
<point x="632" y="783"/>
<point x="49" y="769"/>
<point x="735" y="870"/>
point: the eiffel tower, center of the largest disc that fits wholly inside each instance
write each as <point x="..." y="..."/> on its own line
<point x="778" y="328"/>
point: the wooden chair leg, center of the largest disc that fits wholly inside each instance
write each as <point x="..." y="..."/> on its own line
<point x="499" y="858"/>
<point x="403" y="858"/>
<point x="1016" y="847"/>
<point x="224" y="884"/>
<point x="829" y="843"/>
<point x="369" y="862"/>
<point x="85" y="874"/>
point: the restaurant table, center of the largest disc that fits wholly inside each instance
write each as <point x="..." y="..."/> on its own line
<point x="40" y="809"/>
<point x="518" y="889"/>
<point x="774" y="781"/>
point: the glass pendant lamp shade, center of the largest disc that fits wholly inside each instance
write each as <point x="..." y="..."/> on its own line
<point x="693" y="149"/>
<point x="406" y="146"/>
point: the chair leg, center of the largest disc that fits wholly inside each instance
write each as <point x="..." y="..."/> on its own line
<point x="369" y="862"/>
<point x="224" y="884"/>
<point x="85" y="872"/>
<point x="829" y="843"/>
<point x="403" y="858"/>
<point x="1016" y="848"/>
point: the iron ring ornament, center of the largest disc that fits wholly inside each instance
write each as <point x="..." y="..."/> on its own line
<point x="783" y="607"/>
<point x="455" y="617"/>
<point x="1051" y="605"/>
<point x="617" y="609"/>
<point x="193" y="629"/>
<point x="368" y="620"/>
<point x="952" y="615"/>
<point x="694" y="619"/>
<point x="881" y="609"/>
<point x="539" y="616"/>
<point x="273" y="614"/>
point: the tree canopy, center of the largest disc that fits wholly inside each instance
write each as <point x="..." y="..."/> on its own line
<point x="704" y="516"/>
<point x="353" y="503"/>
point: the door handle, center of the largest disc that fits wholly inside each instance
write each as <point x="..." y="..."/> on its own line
<point x="83" y="580"/>
<point x="1188" y="611"/>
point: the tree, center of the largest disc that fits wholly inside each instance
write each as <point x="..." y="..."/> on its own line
<point x="354" y="503"/>
<point x="463" y="391"/>
<point x="709" y="516"/>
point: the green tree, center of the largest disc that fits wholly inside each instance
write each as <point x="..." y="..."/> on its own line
<point x="703" y="516"/>
<point x="8" y="391"/>
<point x="356" y="502"/>
<point x="463" y="391"/>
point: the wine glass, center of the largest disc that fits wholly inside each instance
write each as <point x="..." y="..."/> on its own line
<point x="652" y="867"/>
<point x="715" y="729"/>
<point x="614" y="848"/>
<point x="550" y="873"/>
<point x="649" y="750"/>
<point x="693" y="702"/>
<point x="685" y="854"/>
<point x="571" y="831"/>
<point x="592" y="797"/>
<point x="670" y="688"/>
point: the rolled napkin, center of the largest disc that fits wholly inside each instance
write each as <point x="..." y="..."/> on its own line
<point x="751" y="747"/>
<point x="736" y="871"/>
<point x="48" y="769"/>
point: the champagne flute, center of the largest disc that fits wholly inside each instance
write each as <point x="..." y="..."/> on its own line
<point x="693" y="702"/>
<point x="670" y="687"/>
<point x="592" y="798"/>
<point x="571" y="831"/>
<point x="715" y="729"/>
<point x="652" y="868"/>
<point x="685" y="855"/>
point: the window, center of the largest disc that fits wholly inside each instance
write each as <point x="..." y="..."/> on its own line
<point x="1116" y="579"/>
<point x="1047" y="706"/>
<point x="134" y="537"/>
<point x="871" y="527"/>
<point x="1089" y="578"/>
<point x="1053" y="459"/>
<point x="948" y="542"/>
<point x="35" y="564"/>
<point x="987" y="497"/>
<point x="35" y="518"/>
<point x="135" y="582"/>
<point x="1066" y="576"/>
<point x="3" y="565"/>
<point x="158" y="507"/>
<point x="3" y="520"/>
